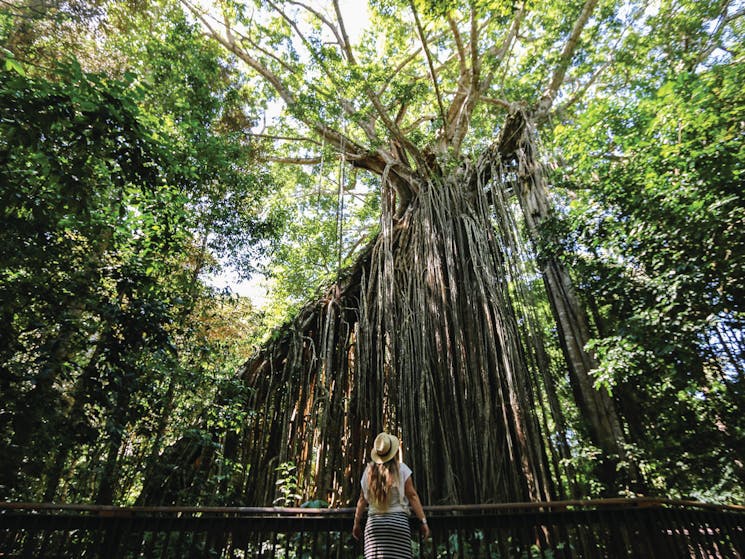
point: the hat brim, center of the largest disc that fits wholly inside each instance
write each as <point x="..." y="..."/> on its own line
<point x="383" y="458"/>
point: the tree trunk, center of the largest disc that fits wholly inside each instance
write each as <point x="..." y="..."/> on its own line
<point x="116" y="426"/>
<point x="596" y="405"/>
<point x="421" y="339"/>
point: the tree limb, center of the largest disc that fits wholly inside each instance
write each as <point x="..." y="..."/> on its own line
<point x="400" y="114"/>
<point x="340" y="41"/>
<point x="452" y="124"/>
<point x="459" y="45"/>
<point x="582" y="90"/>
<point x="288" y="138"/>
<point x="368" y="126"/>
<point x="253" y="63"/>
<point x="417" y="122"/>
<point x="229" y="35"/>
<point x="378" y="161"/>
<point x="499" y="53"/>
<point x="346" y="105"/>
<point x="474" y="43"/>
<point x="338" y="140"/>
<point x="346" y="45"/>
<point x="405" y="62"/>
<point x="423" y="40"/>
<point x="315" y="160"/>
<point x="461" y="108"/>
<point x="567" y="53"/>
<point x="498" y="102"/>
<point x="293" y="24"/>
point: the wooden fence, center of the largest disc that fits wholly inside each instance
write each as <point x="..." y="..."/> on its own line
<point x="610" y="528"/>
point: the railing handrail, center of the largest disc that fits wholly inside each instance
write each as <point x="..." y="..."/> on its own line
<point x="642" y="527"/>
<point x="342" y="511"/>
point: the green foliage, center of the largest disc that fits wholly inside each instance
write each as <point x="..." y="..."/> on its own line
<point x="88" y="217"/>
<point x="322" y="235"/>
<point x="203" y="105"/>
<point x="11" y="63"/>
<point x="118" y="190"/>
<point x="657" y="243"/>
<point x="287" y="486"/>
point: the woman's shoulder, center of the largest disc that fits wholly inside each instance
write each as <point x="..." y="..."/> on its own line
<point x="404" y="470"/>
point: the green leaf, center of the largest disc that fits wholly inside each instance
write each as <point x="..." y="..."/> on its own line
<point x="11" y="64"/>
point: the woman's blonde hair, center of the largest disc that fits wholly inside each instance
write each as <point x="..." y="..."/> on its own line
<point x="382" y="478"/>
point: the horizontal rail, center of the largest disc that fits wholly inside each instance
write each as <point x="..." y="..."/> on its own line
<point x="533" y="505"/>
<point x="607" y="528"/>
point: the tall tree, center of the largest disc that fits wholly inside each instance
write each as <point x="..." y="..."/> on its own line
<point x="436" y="345"/>
<point x="443" y="101"/>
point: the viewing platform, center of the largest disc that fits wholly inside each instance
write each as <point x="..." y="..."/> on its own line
<point x="591" y="529"/>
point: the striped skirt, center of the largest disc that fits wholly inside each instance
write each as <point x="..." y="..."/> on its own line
<point x="387" y="536"/>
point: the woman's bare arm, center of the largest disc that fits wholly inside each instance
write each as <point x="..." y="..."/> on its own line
<point x="361" y="505"/>
<point x="416" y="506"/>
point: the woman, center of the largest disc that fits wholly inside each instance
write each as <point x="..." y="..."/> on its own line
<point x="389" y="491"/>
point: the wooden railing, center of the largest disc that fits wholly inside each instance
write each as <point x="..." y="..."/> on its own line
<point x="611" y="528"/>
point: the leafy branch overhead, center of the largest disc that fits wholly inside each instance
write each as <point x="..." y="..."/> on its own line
<point x="399" y="103"/>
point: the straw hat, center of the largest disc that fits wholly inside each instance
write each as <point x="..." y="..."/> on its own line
<point x="384" y="448"/>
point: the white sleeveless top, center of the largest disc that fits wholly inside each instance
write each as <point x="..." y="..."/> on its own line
<point x="397" y="500"/>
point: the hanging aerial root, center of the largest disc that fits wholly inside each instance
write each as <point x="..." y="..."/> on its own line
<point x="427" y="335"/>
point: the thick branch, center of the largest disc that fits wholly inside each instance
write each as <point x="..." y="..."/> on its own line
<point x="399" y="174"/>
<point x="557" y="78"/>
<point x="229" y="35"/>
<point x="401" y="113"/>
<point x="368" y="128"/>
<point x="498" y="53"/>
<point x="423" y="40"/>
<point x="340" y="141"/>
<point x="475" y="60"/>
<point x="393" y="128"/>
<point x="379" y="161"/>
<point x="417" y="122"/>
<point x="341" y="41"/>
<point x="593" y="78"/>
<point x="406" y="61"/>
<point x="293" y="24"/>
<point x="498" y="102"/>
<point x="345" y="103"/>
<point x="288" y="138"/>
<point x="459" y="45"/>
<point x="253" y="63"/>
<point x="504" y="149"/>
<point x="346" y="44"/>
<point x="292" y="160"/>
<point x="458" y="113"/>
